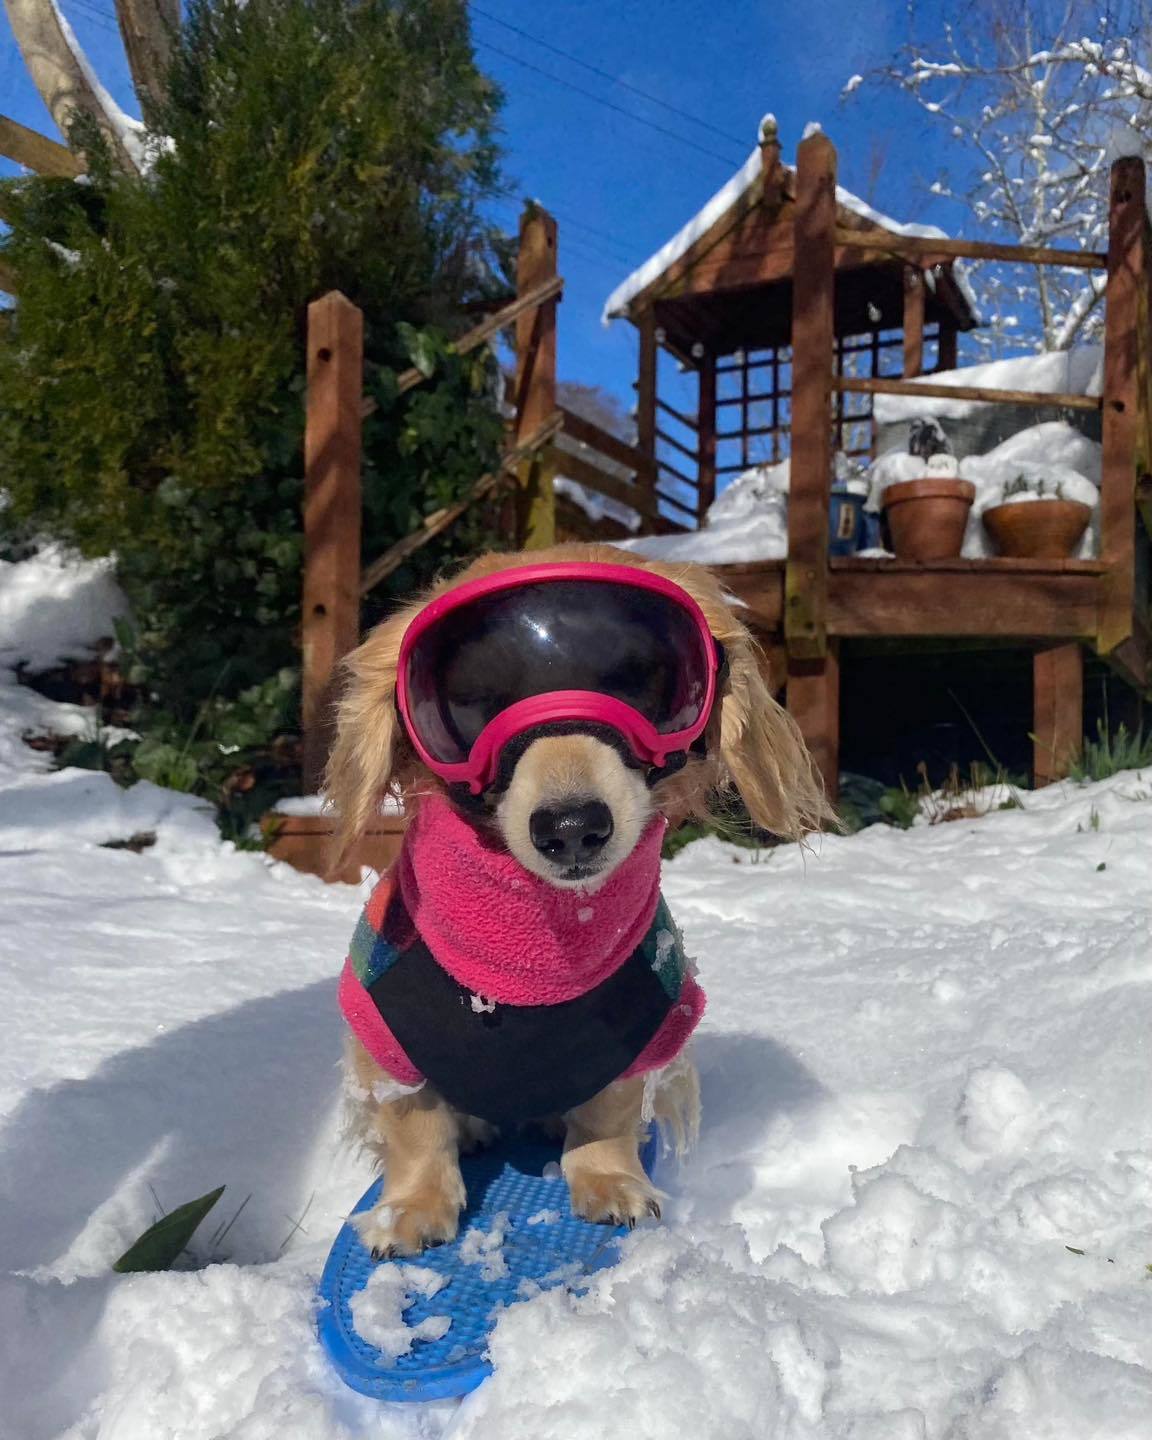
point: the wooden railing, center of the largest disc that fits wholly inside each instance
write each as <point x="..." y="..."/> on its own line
<point x="588" y="462"/>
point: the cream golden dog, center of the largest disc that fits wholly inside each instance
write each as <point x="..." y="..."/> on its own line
<point x="752" y="745"/>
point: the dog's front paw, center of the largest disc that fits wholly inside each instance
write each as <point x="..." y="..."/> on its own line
<point x="613" y="1199"/>
<point x="407" y="1224"/>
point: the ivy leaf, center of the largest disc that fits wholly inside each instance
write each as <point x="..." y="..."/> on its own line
<point x="420" y="347"/>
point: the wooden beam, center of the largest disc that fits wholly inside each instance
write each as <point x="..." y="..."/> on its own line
<point x="865" y="385"/>
<point x="147" y="28"/>
<point x="984" y="600"/>
<point x="946" y="345"/>
<point x="535" y="377"/>
<point x="913" y="321"/>
<point x="586" y="472"/>
<point x="938" y="250"/>
<point x="760" y="585"/>
<point x="813" y="338"/>
<point x="36" y="152"/>
<point x="330" y="620"/>
<point x="1125" y="317"/>
<point x="1057" y="712"/>
<point x="813" y="698"/>
<point x="587" y="432"/>
<point x="706" y="442"/>
<point x="646" y="393"/>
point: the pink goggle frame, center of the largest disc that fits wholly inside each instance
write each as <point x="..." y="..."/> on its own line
<point x="648" y="744"/>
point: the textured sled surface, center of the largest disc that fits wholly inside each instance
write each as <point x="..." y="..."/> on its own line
<point x="506" y="1181"/>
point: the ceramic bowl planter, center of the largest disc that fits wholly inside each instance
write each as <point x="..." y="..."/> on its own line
<point x="1037" y="529"/>
<point x="927" y="518"/>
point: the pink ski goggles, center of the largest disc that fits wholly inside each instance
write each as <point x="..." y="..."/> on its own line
<point x="546" y="644"/>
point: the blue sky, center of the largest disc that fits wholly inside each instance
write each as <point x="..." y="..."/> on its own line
<point x="620" y="188"/>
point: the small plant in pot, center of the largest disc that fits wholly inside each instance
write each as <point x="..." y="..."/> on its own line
<point x="1035" y="521"/>
<point x="927" y="517"/>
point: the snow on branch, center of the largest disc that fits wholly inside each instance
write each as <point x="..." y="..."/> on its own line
<point x="1033" y="106"/>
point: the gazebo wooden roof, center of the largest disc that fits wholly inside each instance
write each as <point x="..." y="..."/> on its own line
<point x="724" y="282"/>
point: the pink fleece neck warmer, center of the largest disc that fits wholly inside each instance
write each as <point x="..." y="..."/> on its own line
<point x="507" y="934"/>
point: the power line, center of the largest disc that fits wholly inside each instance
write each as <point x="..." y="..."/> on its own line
<point x="607" y="75"/>
<point x="95" y="16"/>
<point x="608" y="104"/>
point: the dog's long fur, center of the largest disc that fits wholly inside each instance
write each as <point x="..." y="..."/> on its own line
<point x="752" y="744"/>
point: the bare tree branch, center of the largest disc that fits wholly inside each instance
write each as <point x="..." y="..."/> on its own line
<point x="1037" y="98"/>
<point x="61" y="72"/>
<point x="147" y="28"/>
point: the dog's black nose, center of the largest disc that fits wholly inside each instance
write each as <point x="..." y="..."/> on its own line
<point x="571" y="834"/>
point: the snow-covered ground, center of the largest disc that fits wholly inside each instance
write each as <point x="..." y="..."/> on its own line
<point x="921" y="1208"/>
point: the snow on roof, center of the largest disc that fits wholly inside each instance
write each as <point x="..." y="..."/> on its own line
<point x="723" y="200"/>
<point x="1059" y="372"/>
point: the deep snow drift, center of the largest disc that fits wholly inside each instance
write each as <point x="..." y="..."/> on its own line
<point x="921" y="1208"/>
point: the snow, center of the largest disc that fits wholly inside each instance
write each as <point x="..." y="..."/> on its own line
<point x="595" y="505"/>
<point x="378" y="1309"/>
<point x="1070" y="372"/>
<point x="307" y="805"/>
<point x="485" y="1248"/>
<point x="720" y="203"/>
<point x="55" y="607"/>
<point x="747" y="521"/>
<point x="920" y="1208"/>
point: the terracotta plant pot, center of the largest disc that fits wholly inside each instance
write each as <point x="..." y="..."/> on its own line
<point x="1037" y="529"/>
<point x="928" y="518"/>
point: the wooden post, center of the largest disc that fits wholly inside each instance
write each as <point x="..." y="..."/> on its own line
<point x="1057" y="711"/>
<point x="813" y="697"/>
<point x="913" y="321"/>
<point x="330" y="621"/>
<point x="946" y="345"/>
<point x="706" y="444"/>
<point x="646" y="399"/>
<point x="535" y="378"/>
<point x="813" y="290"/>
<point x="1126" y="315"/>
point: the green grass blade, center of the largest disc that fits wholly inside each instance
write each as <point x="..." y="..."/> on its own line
<point x="161" y="1243"/>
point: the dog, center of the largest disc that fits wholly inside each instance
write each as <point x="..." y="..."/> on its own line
<point x="568" y="809"/>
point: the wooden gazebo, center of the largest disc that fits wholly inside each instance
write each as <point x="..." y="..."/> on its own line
<point x="794" y="303"/>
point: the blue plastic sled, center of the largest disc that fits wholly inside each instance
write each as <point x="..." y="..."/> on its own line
<point x="508" y="1179"/>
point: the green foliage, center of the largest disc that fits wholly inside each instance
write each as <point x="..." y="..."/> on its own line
<point x="160" y="1245"/>
<point x="899" y="806"/>
<point x="1113" y="751"/>
<point x="153" y="375"/>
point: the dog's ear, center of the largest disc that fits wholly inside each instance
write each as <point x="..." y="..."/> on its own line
<point x="365" y="758"/>
<point x="762" y="750"/>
